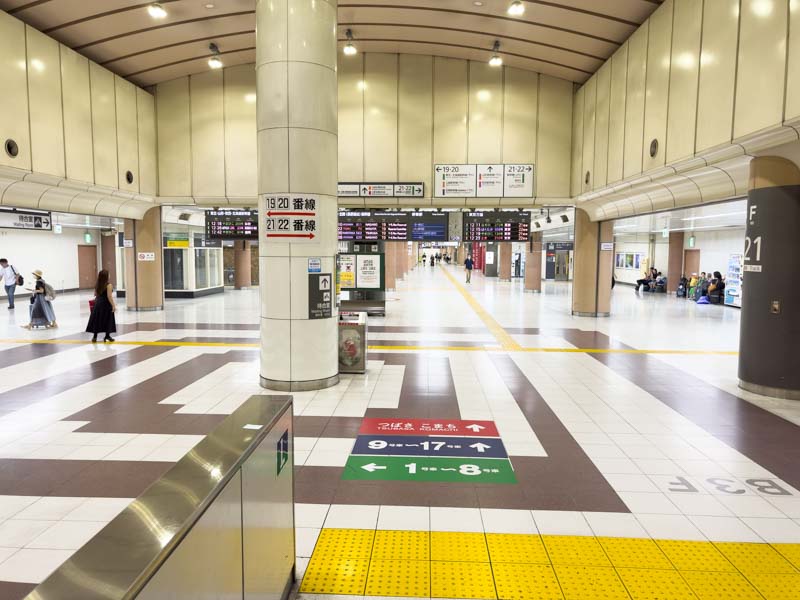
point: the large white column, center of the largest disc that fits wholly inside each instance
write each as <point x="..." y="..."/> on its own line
<point x="297" y="158"/>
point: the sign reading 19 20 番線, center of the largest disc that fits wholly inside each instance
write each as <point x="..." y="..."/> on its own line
<point x="290" y="217"/>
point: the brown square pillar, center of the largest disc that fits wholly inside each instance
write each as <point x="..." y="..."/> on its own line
<point x="144" y="273"/>
<point x="593" y="266"/>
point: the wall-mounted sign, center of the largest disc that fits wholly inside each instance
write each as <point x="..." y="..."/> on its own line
<point x="314" y="265"/>
<point x="146" y="256"/>
<point x="290" y="217"/>
<point x="606" y="245"/>
<point x="454" y="181"/>
<point x="347" y="271"/>
<point x="368" y="271"/>
<point x="25" y="219"/>
<point x="490" y="181"/>
<point x="518" y="181"/>
<point x="127" y="243"/>
<point x="177" y="243"/>
<point x="232" y="224"/>
<point x="366" y="189"/>
<point x="57" y="228"/>
<point x="320" y="292"/>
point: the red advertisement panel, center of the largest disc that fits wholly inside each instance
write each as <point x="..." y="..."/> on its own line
<point x="428" y="427"/>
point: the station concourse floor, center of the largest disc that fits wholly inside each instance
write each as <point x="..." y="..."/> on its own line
<point x="625" y="462"/>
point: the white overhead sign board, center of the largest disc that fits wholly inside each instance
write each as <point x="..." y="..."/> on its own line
<point x="408" y="190"/>
<point x="21" y="219"/>
<point x="518" y="181"/>
<point x="348" y="189"/>
<point x="413" y="189"/>
<point x="290" y="217"/>
<point x="490" y="181"/>
<point x="454" y="181"/>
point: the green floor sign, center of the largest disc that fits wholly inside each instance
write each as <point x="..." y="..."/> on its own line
<point x="414" y="468"/>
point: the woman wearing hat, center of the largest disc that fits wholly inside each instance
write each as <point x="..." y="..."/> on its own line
<point x="41" y="310"/>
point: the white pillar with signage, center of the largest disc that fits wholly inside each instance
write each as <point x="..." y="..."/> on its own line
<point x="297" y="177"/>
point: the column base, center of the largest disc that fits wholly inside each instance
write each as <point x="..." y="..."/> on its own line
<point x="144" y="308"/>
<point x="244" y="287"/>
<point x="576" y="313"/>
<point x="765" y="390"/>
<point x="299" y="386"/>
<point x="532" y="291"/>
<point x="504" y="280"/>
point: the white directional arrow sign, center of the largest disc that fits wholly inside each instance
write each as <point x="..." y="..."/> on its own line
<point x="476" y="428"/>
<point x="372" y="467"/>
<point x="480" y="447"/>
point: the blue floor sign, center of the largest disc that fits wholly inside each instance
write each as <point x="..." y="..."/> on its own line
<point x="429" y="446"/>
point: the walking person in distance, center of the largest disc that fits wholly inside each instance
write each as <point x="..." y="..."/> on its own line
<point x="102" y="319"/>
<point x="11" y="280"/>
<point x="41" y="309"/>
<point x="468" y="266"/>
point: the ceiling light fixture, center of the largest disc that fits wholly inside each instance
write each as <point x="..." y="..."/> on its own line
<point x="516" y="8"/>
<point x="478" y="3"/>
<point x="214" y="62"/>
<point x="349" y="49"/>
<point x="496" y="60"/>
<point x="156" y="11"/>
<point x="209" y="6"/>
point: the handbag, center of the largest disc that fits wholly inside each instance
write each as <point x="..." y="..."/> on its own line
<point x="20" y="278"/>
<point x="91" y="304"/>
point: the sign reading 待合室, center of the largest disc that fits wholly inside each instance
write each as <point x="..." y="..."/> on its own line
<point x="13" y="218"/>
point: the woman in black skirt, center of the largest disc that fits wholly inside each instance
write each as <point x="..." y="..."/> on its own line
<point x="102" y="318"/>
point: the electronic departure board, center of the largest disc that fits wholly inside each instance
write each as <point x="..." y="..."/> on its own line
<point x="232" y="224"/>
<point x="393" y="226"/>
<point x="497" y="226"/>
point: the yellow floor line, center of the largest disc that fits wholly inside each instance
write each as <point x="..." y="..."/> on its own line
<point x="381" y="348"/>
<point x="437" y="564"/>
<point x="505" y="340"/>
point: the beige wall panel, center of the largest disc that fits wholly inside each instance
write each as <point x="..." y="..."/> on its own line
<point x="146" y="117"/>
<point x="174" y="138"/>
<point x="240" y="131"/>
<point x="634" y="101"/>
<point x="351" y="118"/>
<point x="415" y="119"/>
<point x="127" y="134"/>
<point x="589" y="108"/>
<point x="762" y="66"/>
<point x="208" y="133"/>
<point x="616" y="116"/>
<point x="553" y="137"/>
<point x="380" y="126"/>
<point x="14" y="99"/>
<point x="600" y="166"/>
<point x="449" y="110"/>
<point x="576" y="159"/>
<point x="77" y="116"/>
<point x="44" y="97"/>
<point x="717" y="73"/>
<point x="520" y="106"/>
<point x="485" y="113"/>
<point x="684" y="65"/>
<point x="104" y="125"/>
<point x="657" y="86"/>
<point x="793" y="68"/>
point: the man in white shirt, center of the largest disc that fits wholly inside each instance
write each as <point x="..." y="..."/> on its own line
<point x="10" y="278"/>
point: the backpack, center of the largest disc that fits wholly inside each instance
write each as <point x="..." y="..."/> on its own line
<point x="49" y="292"/>
<point x="20" y="278"/>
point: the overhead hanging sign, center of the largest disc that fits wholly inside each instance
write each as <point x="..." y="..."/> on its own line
<point x="23" y="219"/>
<point x="291" y="217"/>
<point x="454" y="181"/>
<point x="518" y="181"/>
<point x="381" y="189"/>
<point x="490" y="181"/>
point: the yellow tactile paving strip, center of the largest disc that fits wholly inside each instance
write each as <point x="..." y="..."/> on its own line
<point x="421" y="564"/>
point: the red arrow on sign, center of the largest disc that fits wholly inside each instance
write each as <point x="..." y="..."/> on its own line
<point x="290" y="214"/>
<point x="291" y="235"/>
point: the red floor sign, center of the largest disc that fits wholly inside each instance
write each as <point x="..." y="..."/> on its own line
<point x="428" y="427"/>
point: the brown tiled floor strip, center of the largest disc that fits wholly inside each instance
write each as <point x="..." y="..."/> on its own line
<point x="761" y="436"/>
<point x="10" y="590"/>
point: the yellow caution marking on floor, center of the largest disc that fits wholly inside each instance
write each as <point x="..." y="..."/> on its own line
<point x="505" y="340"/>
<point x="382" y="348"/>
<point x="421" y="564"/>
<point x="579" y="583"/>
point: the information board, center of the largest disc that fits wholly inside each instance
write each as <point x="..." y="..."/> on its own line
<point x="291" y="217"/>
<point x="454" y="181"/>
<point x="497" y="226"/>
<point x="232" y="224"/>
<point x="518" y="181"/>
<point x="392" y="226"/>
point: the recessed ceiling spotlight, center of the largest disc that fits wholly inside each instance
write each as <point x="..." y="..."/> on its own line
<point x="349" y="49"/>
<point x="156" y="11"/>
<point x="496" y="60"/>
<point x="516" y="8"/>
<point x="214" y="62"/>
<point x="209" y="6"/>
<point x="478" y="3"/>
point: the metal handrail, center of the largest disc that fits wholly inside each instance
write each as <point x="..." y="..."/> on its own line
<point x="118" y="561"/>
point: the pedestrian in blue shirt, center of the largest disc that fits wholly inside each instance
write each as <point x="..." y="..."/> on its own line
<point x="468" y="264"/>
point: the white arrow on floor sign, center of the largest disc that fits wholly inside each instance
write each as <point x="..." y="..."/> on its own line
<point x="372" y="467"/>
<point x="476" y="428"/>
<point x="480" y="447"/>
